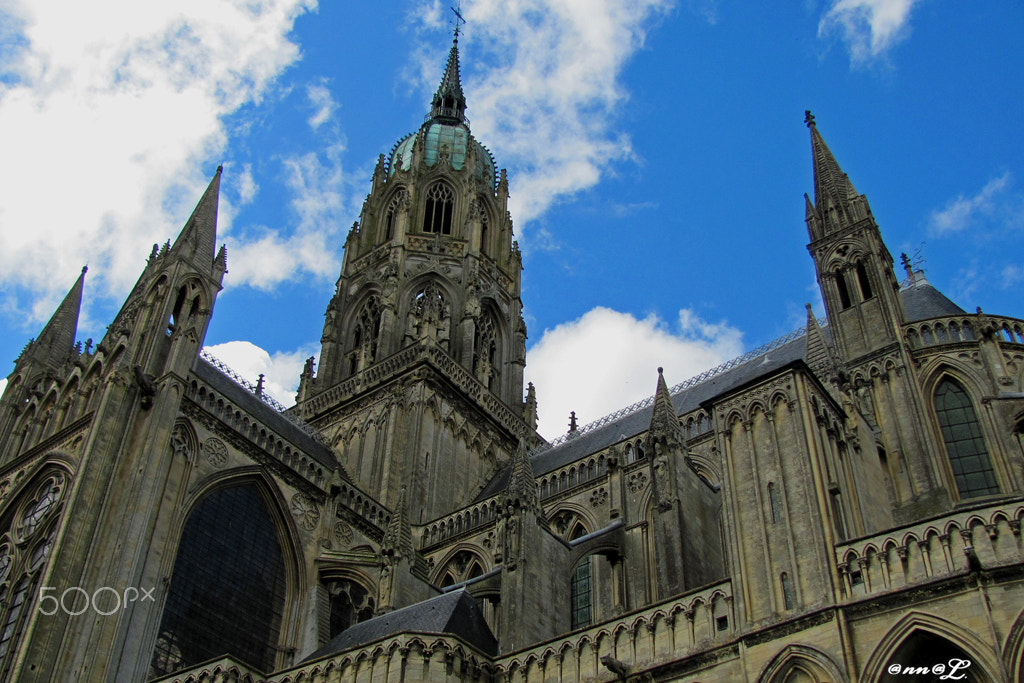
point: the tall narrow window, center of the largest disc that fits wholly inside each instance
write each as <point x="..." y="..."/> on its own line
<point x="582" y="604"/>
<point x="838" y="523"/>
<point x="773" y="501"/>
<point x="227" y="590"/>
<point x="862" y="280"/>
<point x="844" y="293"/>
<point x="788" y="596"/>
<point x="437" y="215"/>
<point x="965" y="445"/>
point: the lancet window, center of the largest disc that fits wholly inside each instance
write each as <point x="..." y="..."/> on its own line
<point x="463" y="567"/>
<point x="440" y="205"/>
<point x="391" y="213"/>
<point x="485" y="352"/>
<point x="25" y="546"/>
<point x="965" y="444"/>
<point x="365" y="336"/>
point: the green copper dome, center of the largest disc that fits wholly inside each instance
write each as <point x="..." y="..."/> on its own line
<point x="444" y="139"/>
<point x="446" y="132"/>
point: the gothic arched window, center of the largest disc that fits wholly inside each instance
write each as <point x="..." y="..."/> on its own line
<point x="965" y="445"/>
<point x="844" y="292"/>
<point x="350" y="603"/>
<point x="365" y="336"/>
<point x="463" y="567"/>
<point x="26" y="543"/>
<point x="485" y="352"/>
<point x="437" y="215"/>
<point x="863" y="281"/>
<point x="227" y="590"/>
<point x="391" y="213"/>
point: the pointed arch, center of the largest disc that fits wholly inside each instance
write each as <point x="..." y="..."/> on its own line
<point x="438" y="208"/>
<point x="794" y="660"/>
<point x="964" y="441"/>
<point x="226" y="595"/>
<point x="918" y="631"/>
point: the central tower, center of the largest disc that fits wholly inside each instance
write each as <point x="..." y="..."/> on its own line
<point x="420" y="382"/>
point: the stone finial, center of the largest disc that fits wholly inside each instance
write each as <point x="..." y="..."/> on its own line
<point x="522" y="490"/>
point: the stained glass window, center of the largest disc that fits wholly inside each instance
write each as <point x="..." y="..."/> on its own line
<point x="582" y="610"/>
<point x="227" y="591"/>
<point x="964" y="443"/>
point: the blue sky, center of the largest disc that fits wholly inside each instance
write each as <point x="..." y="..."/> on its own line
<point x="656" y="152"/>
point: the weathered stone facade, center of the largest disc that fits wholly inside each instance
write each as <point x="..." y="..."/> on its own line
<point x="842" y="502"/>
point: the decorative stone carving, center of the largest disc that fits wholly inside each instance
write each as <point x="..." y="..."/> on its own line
<point x="306" y="511"/>
<point x="215" y="451"/>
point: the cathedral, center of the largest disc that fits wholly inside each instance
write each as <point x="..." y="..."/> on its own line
<point x="842" y="505"/>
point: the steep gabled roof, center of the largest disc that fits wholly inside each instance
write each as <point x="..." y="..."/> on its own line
<point x="455" y="613"/>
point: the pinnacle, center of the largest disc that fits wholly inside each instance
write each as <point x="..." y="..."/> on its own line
<point x="664" y="421"/>
<point x="449" y="102"/>
<point x="198" y="239"/>
<point x="58" y="336"/>
<point x="829" y="179"/>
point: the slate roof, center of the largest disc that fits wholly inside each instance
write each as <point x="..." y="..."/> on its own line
<point x="455" y="613"/>
<point x="251" y="404"/>
<point x="920" y="301"/>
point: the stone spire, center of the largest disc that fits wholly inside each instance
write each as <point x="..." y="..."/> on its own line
<point x="449" y="103"/>
<point x="829" y="179"/>
<point x="522" y="490"/>
<point x="664" y="421"/>
<point x="57" y="339"/>
<point x="837" y="203"/>
<point x="397" y="543"/>
<point x="198" y="239"/>
<point x="819" y="355"/>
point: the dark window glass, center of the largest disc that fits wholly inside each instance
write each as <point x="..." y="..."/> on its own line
<point x="787" y="591"/>
<point x="227" y="591"/>
<point x="964" y="444"/>
<point x="862" y="280"/>
<point x="582" y="613"/>
<point x="773" y="500"/>
<point x="437" y="215"/>
<point x="844" y="293"/>
<point x="350" y="604"/>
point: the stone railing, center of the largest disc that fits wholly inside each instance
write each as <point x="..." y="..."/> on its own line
<point x="266" y="440"/>
<point x="978" y="538"/>
<point x="397" y="363"/>
<point x="364" y="507"/>
<point x="963" y="328"/>
<point x="666" y="632"/>
<point x="463" y="521"/>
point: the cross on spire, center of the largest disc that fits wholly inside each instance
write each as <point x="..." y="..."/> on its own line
<point x="458" y="18"/>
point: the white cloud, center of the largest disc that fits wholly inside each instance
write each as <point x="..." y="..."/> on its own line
<point x="607" y="360"/>
<point x="961" y="212"/>
<point x="264" y="259"/>
<point x="868" y="27"/>
<point x="1012" y="276"/>
<point x="321" y="100"/>
<point x="3" y="385"/>
<point x="111" y="125"/>
<point x="548" y="102"/>
<point x="281" y="370"/>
